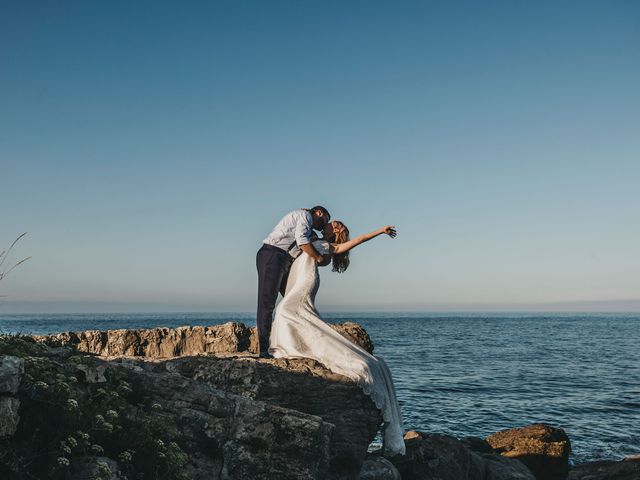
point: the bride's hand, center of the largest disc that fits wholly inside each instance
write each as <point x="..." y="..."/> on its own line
<point x="389" y="230"/>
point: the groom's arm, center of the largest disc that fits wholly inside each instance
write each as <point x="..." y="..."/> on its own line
<point x="312" y="252"/>
<point x="303" y="231"/>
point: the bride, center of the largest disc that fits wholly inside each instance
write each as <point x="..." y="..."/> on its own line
<point x="298" y="330"/>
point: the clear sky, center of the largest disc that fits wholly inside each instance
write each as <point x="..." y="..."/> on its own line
<point x="149" y="147"/>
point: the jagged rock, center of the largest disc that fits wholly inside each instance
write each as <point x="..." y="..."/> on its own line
<point x="11" y="371"/>
<point x="442" y="457"/>
<point x="300" y="384"/>
<point x="181" y="341"/>
<point x="378" y="468"/>
<point x="9" y="417"/>
<point x="157" y="342"/>
<point x="234" y="416"/>
<point x="355" y="333"/>
<point x="251" y="439"/>
<point x="542" y="448"/>
<point x="627" y="469"/>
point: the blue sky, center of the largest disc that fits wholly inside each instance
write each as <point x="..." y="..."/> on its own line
<point x="149" y="147"/>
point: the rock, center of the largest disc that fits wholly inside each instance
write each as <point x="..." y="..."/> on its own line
<point x="442" y="457"/>
<point x="355" y="333"/>
<point x="235" y="415"/>
<point x="378" y="468"/>
<point x="627" y="469"/>
<point x="156" y="342"/>
<point x="497" y="467"/>
<point x="92" y="374"/>
<point x="11" y="371"/>
<point x="303" y="385"/>
<point x="102" y="468"/>
<point x="181" y="341"/>
<point x="476" y="444"/>
<point x="9" y="417"/>
<point x="542" y="448"/>
<point x="439" y="457"/>
<point x="244" y="438"/>
<point x="413" y="435"/>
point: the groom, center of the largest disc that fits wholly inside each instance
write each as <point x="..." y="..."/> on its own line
<point x="291" y="236"/>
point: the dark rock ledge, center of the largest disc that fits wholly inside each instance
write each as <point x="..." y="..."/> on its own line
<point x="196" y="403"/>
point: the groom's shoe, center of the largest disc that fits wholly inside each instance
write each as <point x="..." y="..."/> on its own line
<point x="265" y="355"/>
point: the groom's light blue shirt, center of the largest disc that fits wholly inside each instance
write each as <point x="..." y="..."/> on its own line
<point x="293" y="227"/>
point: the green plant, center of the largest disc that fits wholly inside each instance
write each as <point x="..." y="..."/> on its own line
<point x="4" y="271"/>
<point x="65" y="422"/>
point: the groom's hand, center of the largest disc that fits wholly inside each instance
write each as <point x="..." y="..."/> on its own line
<point x="326" y="260"/>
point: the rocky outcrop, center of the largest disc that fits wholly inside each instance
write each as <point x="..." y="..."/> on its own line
<point x="542" y="448"/>
<point x="196" y="403"/>
<point x="180" y="341"/>
<point x="302" y="385"/>
<point x="443" y="457"/>
<point x="298" y="385"/>
<point x="233" y="436"/>
<point x="627" y="469"/>
<point x="227" y="413"/>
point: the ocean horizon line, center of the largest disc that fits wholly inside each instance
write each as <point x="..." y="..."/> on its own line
<point x="412" y="313"/>
<point x="50" y="307"/>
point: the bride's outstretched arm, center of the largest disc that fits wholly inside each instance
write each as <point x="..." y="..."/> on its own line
<point x="346" y="246"/>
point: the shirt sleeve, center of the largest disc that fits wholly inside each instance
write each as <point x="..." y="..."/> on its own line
<point x="302" y="231"/>
<point x="322" y="246"/>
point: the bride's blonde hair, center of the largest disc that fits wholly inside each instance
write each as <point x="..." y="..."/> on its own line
<point x="341" y="260"/>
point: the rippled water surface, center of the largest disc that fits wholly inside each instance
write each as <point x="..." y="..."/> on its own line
<point x="476" y="374"/>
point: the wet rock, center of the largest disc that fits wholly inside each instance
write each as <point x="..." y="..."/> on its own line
<point x="628" y="469"/>
<point x="542" y="448"/>
<point x="9" y="417"/>
<point x="11" y="371"/>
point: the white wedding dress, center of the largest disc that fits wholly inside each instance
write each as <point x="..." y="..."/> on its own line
<point x="298" y="331"/>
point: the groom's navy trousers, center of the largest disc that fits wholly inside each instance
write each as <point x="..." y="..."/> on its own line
<point x="273" y="270"/>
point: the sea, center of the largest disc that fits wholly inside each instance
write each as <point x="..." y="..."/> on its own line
<point x="473" y="374"/>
